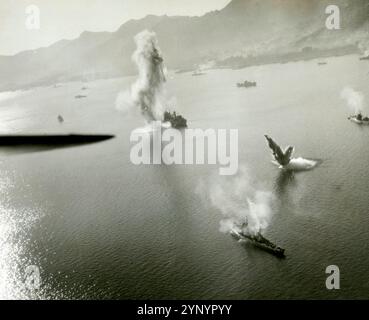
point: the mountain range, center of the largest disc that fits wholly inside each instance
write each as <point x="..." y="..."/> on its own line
<point x="245" y="32"/>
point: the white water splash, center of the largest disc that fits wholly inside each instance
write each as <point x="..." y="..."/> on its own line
<point x="298" y="164"/>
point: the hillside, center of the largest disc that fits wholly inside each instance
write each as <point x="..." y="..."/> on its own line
<point x="247" y="30"/>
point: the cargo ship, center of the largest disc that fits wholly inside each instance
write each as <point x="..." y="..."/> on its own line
<point x="246" y="84"/>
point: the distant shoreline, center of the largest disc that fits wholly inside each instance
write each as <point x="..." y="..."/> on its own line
<point x="235" y="63"/>
<point x="306" y="54"/>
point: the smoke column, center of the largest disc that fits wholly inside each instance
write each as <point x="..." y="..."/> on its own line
<point x="354" y="99"/>
<point x="363" y="46"/>
<point x="238" y="201"/>
<point x="147" y="92"/>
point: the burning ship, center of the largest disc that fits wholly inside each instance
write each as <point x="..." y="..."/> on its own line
<point x="246" y="84"/>
<point x="359" y="119"/>
<point x="257" y="240"/>
<point x="176" y="120"/>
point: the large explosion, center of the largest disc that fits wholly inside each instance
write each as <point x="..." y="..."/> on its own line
<point x="147" y="92"/>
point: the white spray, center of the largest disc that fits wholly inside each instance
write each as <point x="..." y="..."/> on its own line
<point x="239" y="202"/>
<point x="147" y="92"/>
<point x="354" y="99"/>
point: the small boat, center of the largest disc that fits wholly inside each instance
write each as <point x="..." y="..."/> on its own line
<point x="246" y="84"/>
<point x="259" y="241"/>
<point x="198" y="73"/>
<point x="359" y="119"/>
<point x="60" y="118"/>
<point x="322" y="63"/>
<point x="80" y="96"/>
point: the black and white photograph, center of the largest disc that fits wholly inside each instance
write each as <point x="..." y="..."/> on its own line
<point x="198" y="150"/>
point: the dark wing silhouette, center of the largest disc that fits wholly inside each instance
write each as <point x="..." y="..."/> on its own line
<point x="282" y="157"/>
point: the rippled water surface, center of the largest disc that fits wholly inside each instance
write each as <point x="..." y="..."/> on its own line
<point x="99" y="227"/>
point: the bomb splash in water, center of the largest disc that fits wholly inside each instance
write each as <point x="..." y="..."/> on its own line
<point x="147" y="91"/>
<point x="285" y="160"/>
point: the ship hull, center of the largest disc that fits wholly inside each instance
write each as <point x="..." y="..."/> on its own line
<point x="263" y="245"/>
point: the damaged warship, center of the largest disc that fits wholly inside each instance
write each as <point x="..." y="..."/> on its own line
<point x="359" y="119"/>
<point x="257" y="240"/>
<point x="176" y="120"/>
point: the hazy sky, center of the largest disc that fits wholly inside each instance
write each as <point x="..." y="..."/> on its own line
<point x="66" y="19"/>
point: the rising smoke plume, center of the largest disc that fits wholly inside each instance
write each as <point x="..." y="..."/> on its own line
<point x="363" y="47"/>
<point x="354" y="99"/>
<point x="147" y="93"/>
<point x="239" y="202"/>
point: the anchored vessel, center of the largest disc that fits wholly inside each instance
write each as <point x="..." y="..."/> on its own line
<point x="198" y="73"/>
<point x="176" y="120"/>
<point x="359" y="119"/>
<point x="259" y="241"/>
<point x="246" y="84"/>
<point x="80" y="96"/>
